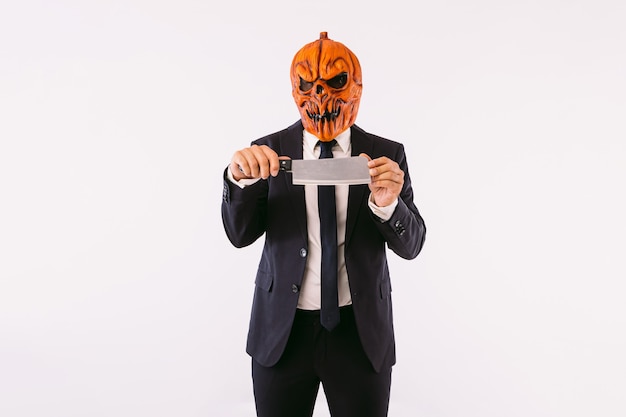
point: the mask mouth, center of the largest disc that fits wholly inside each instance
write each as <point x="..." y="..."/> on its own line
<point x="327" y="116"/>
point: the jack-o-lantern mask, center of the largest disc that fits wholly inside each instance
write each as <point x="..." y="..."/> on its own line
<point x="326" y="86"/>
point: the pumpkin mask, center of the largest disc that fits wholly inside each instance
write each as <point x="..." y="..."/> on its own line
<point x="326" y="86"/>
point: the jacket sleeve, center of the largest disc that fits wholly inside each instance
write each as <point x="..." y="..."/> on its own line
<point x="405" y="231"/>
<point x="244" y="212"/>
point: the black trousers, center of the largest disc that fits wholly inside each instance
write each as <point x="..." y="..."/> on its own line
<point x="314" y="355"/>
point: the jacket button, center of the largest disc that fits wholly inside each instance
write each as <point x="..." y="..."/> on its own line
<point x="399" y="228"/>
<point x="303" y="253"/>
<point x="294" y="288"/>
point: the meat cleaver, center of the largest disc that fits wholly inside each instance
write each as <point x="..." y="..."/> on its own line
<point x="329" y="171"/>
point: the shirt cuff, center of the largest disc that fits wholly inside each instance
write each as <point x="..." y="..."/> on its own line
<point x="383" y="213"/>
<point x="241" y="183"/>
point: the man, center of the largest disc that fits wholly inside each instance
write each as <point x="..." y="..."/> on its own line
<point x="322" y="302"/>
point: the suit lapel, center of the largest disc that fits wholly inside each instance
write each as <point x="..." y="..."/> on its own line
<point x="291" y="141"/>
<point x="361" y="143"/>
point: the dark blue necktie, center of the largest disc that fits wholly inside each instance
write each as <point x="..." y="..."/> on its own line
<point x="328" y="234"/>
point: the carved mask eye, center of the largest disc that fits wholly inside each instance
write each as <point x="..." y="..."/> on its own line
<point x="339" y="81"/>
<point x="305" y="85"/>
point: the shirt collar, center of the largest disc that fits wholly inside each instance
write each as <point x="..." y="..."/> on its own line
<point x="343" y="140"/>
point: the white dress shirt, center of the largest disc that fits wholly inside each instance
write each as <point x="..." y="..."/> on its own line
<point x="310" y="290"/>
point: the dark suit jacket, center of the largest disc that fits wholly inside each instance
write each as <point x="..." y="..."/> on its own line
<point x="276" y="208"/>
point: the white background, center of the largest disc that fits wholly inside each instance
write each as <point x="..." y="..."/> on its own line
<point x="120" y="295"/>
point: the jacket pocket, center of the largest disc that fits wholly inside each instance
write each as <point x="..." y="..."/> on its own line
<point x="264" y="281"/>
<point x="385" y="289"/>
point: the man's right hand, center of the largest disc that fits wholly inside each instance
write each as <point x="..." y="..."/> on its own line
<point x="254" y="162"/>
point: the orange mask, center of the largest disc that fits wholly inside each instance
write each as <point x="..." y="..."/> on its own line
<point x="326" y="86"/>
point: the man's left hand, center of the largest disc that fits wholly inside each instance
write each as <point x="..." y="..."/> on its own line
<point x="387" y="180"/>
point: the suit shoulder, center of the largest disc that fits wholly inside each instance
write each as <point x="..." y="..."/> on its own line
<point x="272" y="139"/>
<point x="379" y="140"/>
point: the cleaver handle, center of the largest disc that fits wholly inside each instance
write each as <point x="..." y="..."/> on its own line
<point x="285" y="165"/>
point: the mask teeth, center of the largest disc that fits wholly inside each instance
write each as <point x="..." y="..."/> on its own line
<point x="328" y="116"/>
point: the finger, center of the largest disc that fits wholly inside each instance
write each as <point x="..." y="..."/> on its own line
<point x="378" y="161"/>
<point x="261" y="160"/>
<point x="388" y="175"/>
<point x="272" y="160"/>
<point x="253" y="161"/>
<point x="248" y="163"/>
<point x="391" y="183"/>
<point x="239" y="166"/>
<point x="236" y="170"/>
<point x="378" y="165"/>
<point x="366" y="156"/>
<point x="384" y="168"/>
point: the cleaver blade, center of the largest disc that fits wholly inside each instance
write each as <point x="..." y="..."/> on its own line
<point x="328" y="171"/>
